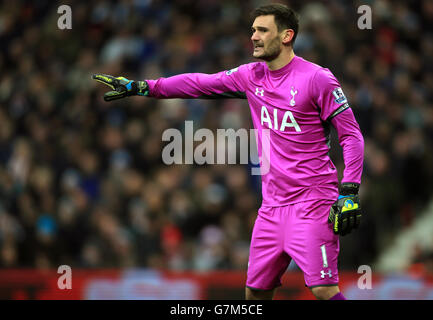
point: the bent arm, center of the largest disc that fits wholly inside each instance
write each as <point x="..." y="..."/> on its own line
<point x="352" y="142"/>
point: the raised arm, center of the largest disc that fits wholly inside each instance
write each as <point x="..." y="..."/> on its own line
<point x="224" y="84"/>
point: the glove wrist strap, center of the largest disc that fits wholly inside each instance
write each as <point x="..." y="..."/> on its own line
<point x="142" y="88"/>
<point x="348" y="188"/>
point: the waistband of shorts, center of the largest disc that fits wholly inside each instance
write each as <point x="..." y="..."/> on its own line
<point x="290" y="203"/>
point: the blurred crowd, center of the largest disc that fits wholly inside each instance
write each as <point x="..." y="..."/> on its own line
<point x="82" y="181"/>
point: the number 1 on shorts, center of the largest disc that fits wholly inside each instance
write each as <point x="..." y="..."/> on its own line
<point x="324" y="257"/>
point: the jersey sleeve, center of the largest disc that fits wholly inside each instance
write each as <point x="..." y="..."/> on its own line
<point x="352" y="143"/>
<point x="327" y="94"/>
<point x="224" y="84"/>
<point x="334" y="107"/>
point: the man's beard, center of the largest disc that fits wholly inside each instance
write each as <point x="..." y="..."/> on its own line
<point x="272" y="51"/>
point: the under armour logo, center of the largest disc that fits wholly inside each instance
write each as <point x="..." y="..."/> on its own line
<point x="329" y="273"/>
<point x="260" y="91"/>
<point x="293" y="92"/>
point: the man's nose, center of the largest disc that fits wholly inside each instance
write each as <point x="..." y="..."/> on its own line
<point x="254" y="36"/>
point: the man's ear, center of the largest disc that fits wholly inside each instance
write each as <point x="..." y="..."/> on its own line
<point x="288" y="36"/>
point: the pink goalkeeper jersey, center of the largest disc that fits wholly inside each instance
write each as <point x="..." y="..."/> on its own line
<point x="291" y="109"/>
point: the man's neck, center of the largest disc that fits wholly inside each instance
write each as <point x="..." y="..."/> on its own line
<point x="282" y="60"/>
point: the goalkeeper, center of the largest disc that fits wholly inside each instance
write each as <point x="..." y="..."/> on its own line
<point x="294" y="102"/>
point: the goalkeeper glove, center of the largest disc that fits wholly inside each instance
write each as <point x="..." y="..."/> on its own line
<point x="122" y="87"/>
<point x="345" y="213"/>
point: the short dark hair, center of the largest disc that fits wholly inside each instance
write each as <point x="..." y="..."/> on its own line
<point x="285" y="17"/>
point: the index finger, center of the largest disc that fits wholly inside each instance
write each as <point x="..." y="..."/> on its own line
<point x="105" y="79"/>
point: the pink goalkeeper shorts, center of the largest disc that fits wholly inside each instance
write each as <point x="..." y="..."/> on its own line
<point x="300" y="232"/>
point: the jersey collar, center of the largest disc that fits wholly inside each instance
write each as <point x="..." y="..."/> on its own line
<point x="283" y="70"/>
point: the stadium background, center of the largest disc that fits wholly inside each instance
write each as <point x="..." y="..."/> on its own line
<point x="82" y="182"/>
